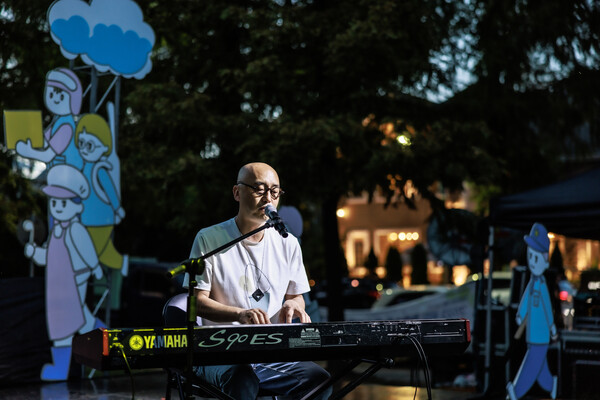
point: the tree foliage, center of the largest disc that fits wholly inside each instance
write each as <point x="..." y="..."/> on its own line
<point x="371" y="263"/>
<point x="323" y="90"/>
<point x="393" y="265"/>
<point x="18" y="201"/>
<point x="556" y="263"/>
<point x="418" y="259"/>
<point x="289" y="83"/>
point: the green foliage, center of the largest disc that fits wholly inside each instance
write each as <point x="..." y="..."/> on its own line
<point x="286" y="83"/>
<point x="18" y="201"/>
<point x="534" y="59"/>
<point x="27" y="53"/>
<point x="307" y="86"/>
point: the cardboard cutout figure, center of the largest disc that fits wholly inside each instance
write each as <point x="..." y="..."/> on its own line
<point x="535" y="311"/>
<point x="102" y="208"/>
<point x="62" y="97"/>
<point x="83" y="168"/>
<point x="70" y="260"/>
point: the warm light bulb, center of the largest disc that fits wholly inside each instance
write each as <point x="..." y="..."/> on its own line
<point x="403" y="140"/>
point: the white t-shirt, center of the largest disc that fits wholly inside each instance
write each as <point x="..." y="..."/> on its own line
<point x="273" y="265"/>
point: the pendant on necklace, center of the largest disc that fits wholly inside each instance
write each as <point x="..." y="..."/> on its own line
<point x="257" y="295"/>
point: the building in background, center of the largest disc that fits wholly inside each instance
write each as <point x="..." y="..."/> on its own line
<point x="365" y="226"/>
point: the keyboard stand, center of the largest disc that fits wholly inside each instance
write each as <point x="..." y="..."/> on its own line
<point x="376" y="365"/>
<point x="175" y="380"/>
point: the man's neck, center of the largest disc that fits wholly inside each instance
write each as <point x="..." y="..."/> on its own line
<point x="246" y="226"/>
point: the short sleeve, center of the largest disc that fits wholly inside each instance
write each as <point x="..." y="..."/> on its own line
<point x="298" y="279"/>
<point x="203" y="280"/>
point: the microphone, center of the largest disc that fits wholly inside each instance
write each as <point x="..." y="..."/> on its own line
<point x="271" y="212"/>
<point x="186" y="265"/>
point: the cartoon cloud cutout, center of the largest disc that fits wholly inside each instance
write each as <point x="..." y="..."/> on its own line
<point x="110" y="35"/>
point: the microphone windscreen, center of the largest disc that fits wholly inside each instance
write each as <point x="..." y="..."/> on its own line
<point x="271" y="211"/>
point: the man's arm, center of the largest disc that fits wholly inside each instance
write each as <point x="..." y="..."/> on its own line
<point x="293" y="306"/>
<point x="215" y="311"/>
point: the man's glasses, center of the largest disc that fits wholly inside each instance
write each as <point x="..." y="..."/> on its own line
<point x="261" y="190"/>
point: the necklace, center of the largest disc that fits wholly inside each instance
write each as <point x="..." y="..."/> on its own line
<point x="258" y="294"/>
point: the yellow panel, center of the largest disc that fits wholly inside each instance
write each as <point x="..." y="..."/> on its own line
<point x="23" y="125"/>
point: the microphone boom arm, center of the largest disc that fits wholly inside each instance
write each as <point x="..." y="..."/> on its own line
<point x="185" y="265"/>
<point x="195" y="266"/>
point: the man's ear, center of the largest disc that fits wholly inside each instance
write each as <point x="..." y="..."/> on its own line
<point x="236" y="192"/>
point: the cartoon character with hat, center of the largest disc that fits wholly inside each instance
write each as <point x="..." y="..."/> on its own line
<point x="535" y="311"/>
<point x="70" y="259"/>
<point x="63" y="96"/>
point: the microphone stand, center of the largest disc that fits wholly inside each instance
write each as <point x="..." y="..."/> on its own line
<point x="195" y="266"/>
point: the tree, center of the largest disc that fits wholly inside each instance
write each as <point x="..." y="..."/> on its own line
<point x="371" y="263"/>
<point x="300" y="76"/>
<point x="393" y="265"/>
<point x="556" y="263"/>
<point x="418" y="259"/>
<point x="323" y="90"/>
<point x="19" y="201"/>
<point x="27" y="53"/>
<point x="529" y="87"/>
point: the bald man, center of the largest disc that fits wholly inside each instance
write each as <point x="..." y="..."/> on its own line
<point x="260" y="280"/>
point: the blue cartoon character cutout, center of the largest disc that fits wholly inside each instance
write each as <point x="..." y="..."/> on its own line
<point x="70" y="260"/>
<point x="102" y="208"/>
<point x="62" y="96"/>
<point x="535" y="311"/>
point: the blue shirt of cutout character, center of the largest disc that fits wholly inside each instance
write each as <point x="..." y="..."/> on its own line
<point x="535" y="311"/>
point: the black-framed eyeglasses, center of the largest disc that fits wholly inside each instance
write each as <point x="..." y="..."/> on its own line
<point x="88" y="145"/>
<point x="261" y="190"/>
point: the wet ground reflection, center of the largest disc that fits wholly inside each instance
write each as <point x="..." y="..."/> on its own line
<point x="152" y="386"/>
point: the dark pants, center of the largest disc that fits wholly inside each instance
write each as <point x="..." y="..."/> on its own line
<point x="534" y="368"/>
<point x="243" y="381"/>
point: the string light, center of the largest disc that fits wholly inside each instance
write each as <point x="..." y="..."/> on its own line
<point x="403" y="236"/>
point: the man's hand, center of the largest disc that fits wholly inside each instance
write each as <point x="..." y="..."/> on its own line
<point x="217" y="312"/>
<point x="253" y="316"/>
<point x="291" y="309"/>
